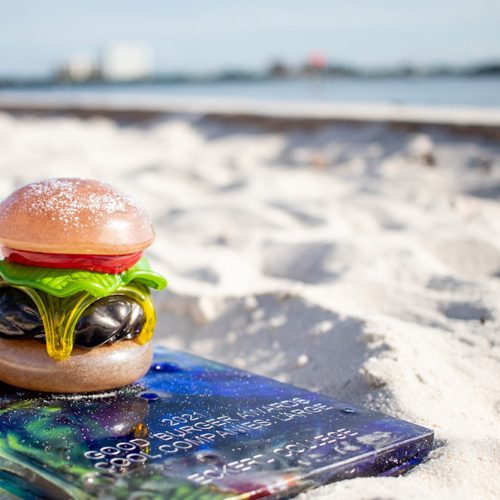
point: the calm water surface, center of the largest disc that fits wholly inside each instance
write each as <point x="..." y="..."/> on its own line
<point x="450" y="91"/>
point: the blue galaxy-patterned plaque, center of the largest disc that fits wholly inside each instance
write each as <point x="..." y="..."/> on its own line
<point x="192" y="428"/>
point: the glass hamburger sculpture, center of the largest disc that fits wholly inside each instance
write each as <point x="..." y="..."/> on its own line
<point x="75" y="306"/>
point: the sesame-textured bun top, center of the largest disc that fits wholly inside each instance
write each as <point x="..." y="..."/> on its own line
<point x="74" y="216"/>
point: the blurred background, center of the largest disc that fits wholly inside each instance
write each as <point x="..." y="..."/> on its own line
<point x="343" y="51"/>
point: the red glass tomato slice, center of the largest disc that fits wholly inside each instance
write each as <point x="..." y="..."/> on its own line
<point x="109" y="264"/>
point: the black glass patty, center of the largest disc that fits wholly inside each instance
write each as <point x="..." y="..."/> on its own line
<point x="107" y="320"/>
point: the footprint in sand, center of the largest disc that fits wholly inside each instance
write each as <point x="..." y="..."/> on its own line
<point x="276" y="335"/>
<point x="489" y="191"/>
<point x="468" y="256"/>
<point x="306" y="262"/>
<point x="466" y="311"/>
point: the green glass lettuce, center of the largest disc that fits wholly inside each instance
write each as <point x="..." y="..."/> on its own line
<point x="67" y="282"/>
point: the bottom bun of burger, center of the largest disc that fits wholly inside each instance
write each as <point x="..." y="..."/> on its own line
<point x="26" y="364"/>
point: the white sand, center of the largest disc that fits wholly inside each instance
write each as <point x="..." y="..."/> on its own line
<point x="335" y="260"/>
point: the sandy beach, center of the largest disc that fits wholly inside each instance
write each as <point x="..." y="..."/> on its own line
<point x="358" y="260"/>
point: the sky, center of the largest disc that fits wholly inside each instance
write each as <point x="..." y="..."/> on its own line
<point x="211" y="35"/>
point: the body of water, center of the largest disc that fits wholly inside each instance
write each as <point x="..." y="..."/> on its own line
<point x="446" y="91"/>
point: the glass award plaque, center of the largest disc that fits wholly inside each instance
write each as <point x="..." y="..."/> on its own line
<point x="196" y="429"/>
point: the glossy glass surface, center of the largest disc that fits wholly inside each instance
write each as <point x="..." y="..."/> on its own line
<point x="194" y="428"/>
<point x="109" y="320"/>
<point x="81" y="319"/>
<point x="106" y="321"/>
<point x="113" y="264"/>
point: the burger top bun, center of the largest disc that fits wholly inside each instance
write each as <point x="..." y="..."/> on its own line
<point x="74" y="216"/>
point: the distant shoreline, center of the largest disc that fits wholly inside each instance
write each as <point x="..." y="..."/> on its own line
<point x="278" y="72"/>
<point x="273" y="115"/>
<point x="49" y="83"/>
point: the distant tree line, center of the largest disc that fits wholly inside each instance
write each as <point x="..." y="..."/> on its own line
<point x="276" y="70"/>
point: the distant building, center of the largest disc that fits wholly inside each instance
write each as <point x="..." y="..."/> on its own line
<point x="279" y="69"/>
<point x="317" y="64"/>
<point x="126" y="62"/>
<point x="79" y="68"/>
<point x="317" y="60"/>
